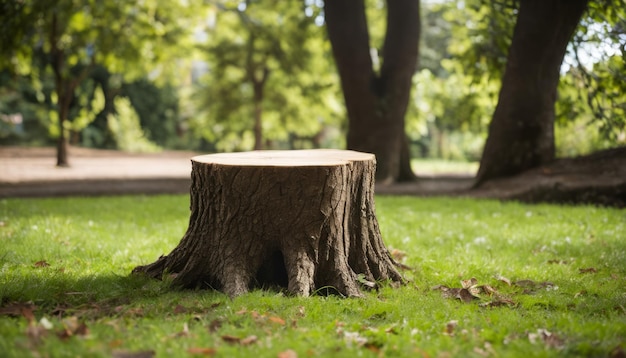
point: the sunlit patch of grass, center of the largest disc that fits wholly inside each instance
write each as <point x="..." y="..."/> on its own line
<point x="428" y="167"/>
<point x="65" y="260"/>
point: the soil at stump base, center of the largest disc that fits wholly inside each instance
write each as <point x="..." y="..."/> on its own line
<point x="599" y="178"/>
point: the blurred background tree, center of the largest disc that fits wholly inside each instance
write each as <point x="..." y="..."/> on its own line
<point x="269" y="82"/>
<point x="58" y="44"/>
<point x="230" y="75"/>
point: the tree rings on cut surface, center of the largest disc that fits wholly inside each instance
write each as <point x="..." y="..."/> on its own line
<point x="301" y="219"/>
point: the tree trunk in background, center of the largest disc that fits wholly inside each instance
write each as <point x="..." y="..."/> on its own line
<point x="521" y="133"/>
<point x="258" y="86"/>
<point x="406" y="172"/>
<point x="258" y="114"/>
<point x="302" y="219"/>
<point x="57" y="58"/>
<point x="376" y="103"/>
<point x="62" y="160"/>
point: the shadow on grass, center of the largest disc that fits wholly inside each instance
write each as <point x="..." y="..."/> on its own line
<point x="98" y="295"/>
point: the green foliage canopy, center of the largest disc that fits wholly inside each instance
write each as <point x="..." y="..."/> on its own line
<point x="597" y="69"/>
<point x="147" y="50"/>
<point x="277" y="47"/>
<point x="62" y="41"/>
<point x="593" y="81"/>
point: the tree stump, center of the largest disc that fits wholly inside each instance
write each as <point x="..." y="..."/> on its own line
<point x="301" y="219"/>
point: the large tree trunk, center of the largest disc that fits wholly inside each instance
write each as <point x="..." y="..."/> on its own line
<point x="300" y="219"/>
<point x="521" y="133"/>
<point x="376" y="103"/>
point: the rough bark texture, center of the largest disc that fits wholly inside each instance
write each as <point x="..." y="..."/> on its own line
<point x="376" y="103"/>
<point x="521" y="133"/>
<point x="301" y="219"/>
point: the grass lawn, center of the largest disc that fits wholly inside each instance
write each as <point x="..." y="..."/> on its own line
<point x="549" y="281"/>
<point x="426" y="167"/>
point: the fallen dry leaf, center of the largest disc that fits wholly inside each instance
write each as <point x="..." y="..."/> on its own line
<point x="466" y="296"/>
<point x="580" y="293"/>
<point x="373" y="347"/>
<point x="116" y="343"/>
<point x="440" y="287"/>
<point x="36" y="331"/>
<point x="470" y="291"/>
<point x="202" y="351"/>
<point x="237" y="340"/>
<point x="486" y="351"/>
<point x="41" y="263"/>
<point x="289" y="353"/>
<point x="230" y="339"/>
<point x="498" y="303"/>
<point x="184" y="332"/>
<point x="525" y="283"/>
<point x="461" y="293"/>
<point x="397" y="254"/>
<point x="550" y="339"/>
<point x="587" y="270"/>
<point x="531" y="286"/>
<point x="469" y="283"/>
<point x="475" y="291"/>
<point x="353" y="338"/>
<point x="488" y="290"/>
<point x="45" y="323"/>
<point x="391" y="330"/>
<point x="249" y="340"/>
<point x="451" y="293"/>
<point x="503" y="279"/>
<point x="558" y="262"/>
<point x="450" y="327"/>
<point x="179" y="309"/>
<point x="301" y="311"/>
<point x="72" y="327"/>
<point x="277" y="320"/>
<point x="71" y="323"/>
<point x="16" y="309"/>
<point x="447" y="292"/>
<point x="215" y="325"/>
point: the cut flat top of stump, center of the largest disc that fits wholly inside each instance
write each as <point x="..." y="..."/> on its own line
<point x="286" y="158"/>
